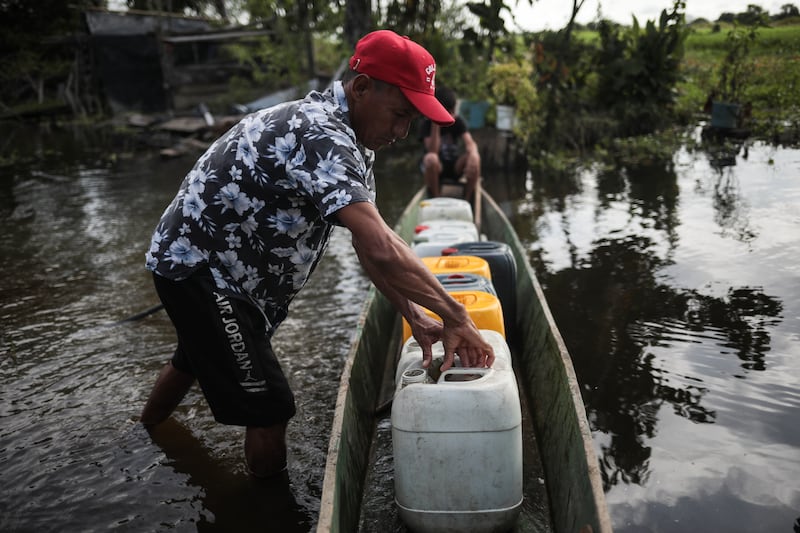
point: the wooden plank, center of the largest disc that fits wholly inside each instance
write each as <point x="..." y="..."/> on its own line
<point x="184" y="125"/>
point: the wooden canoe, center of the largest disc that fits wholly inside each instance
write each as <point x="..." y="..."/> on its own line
<point x="574" y="498"/>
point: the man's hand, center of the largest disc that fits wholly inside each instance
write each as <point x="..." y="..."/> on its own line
<point x="463" y="340"/>
<point x="466" y="341"/>
<point x="426" y="332"/>
<point x="407" y="283"/>
<point x="472" y="166"/>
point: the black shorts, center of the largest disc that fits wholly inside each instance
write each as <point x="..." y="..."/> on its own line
<point x="222" y="342"/>
<point x="449" y="171"/>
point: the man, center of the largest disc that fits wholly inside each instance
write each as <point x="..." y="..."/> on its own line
<point x="450" y="151"/>
<point x="252" y="219"/>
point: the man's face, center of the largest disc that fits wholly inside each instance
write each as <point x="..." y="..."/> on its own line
<point x="380" y="113"/>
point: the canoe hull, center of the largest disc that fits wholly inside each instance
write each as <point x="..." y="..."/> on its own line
<point x="544" y="370"/>
<point x="562" y="430"/>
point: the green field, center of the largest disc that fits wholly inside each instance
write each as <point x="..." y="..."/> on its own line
<point x="772" y="83"/>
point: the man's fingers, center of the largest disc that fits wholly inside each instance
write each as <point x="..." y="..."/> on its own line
<point x="449" y="358"/>
<point x="427" y="355"/>
<point x="490" y="358"/>
<point x="476" y="357"/>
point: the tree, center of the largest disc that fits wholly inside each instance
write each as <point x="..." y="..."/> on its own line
<point x="788" y="11"/>
<point x="287" y="56"/>
<point x="357" y="20"/>
<point x="753" y="16"/>
<point x="490" y="19"/>
<point x="735" y="68"/>
<point x="33" y="64"/>
<point x="414" y="17"/>
<point x="638" y="69"/>
<point x="559" y="65"/>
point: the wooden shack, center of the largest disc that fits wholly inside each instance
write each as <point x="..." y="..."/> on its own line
<point x="159" y="62"/>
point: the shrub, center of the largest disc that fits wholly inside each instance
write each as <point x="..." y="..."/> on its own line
<point x="511" y="84"/>
<point x="639" y="69"/>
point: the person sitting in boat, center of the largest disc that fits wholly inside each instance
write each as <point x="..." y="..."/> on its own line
<point x="251" y="220"/>
<point x="451" y="154"/>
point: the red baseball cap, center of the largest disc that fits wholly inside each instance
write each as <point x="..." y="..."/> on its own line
<point x="386" y="56"/>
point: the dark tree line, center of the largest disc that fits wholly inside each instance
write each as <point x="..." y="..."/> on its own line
<point x="755" y="15"/>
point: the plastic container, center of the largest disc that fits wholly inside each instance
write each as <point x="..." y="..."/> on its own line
<point x="474" y="113"/>
<point x="503" y="269"/>
<point x="457" y="445"/>
<point x="484" y="309"/>
<point x="443" y="230"/>
<point x="431" y="249"/>
<point x="505" y="117"/>
<point x="434" y="236"/>
<point x="461" y="264"/>
<point x="724" y="115"/>
<point x="466" y="282"/>
<point x="445" y="208"/>
<point x="414" y="375"/>
<point x="411" y="355"/>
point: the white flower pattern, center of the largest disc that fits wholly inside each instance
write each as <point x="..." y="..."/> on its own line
<point x="259" y="205"/>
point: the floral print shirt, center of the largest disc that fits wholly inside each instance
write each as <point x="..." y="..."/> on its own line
<point x="259" y="206"/>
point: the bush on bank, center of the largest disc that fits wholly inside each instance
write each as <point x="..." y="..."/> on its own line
<point x="599" y="91"/>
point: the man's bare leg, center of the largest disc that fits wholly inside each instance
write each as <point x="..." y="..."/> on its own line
<point x="470" y="166"/>
<point x="470" y="187"/>
<point x="265" y="450"/>
<point x="170" y="388"/>
<point x="432" y="169"/>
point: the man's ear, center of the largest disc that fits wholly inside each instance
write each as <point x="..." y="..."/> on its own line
<point x="361" y="85"/>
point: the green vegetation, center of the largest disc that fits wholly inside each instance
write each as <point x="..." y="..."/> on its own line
<point x="630" y="93"/>
<point x="621" y="83"/>
<point x="583" y="89"/>
<point x="510" y="84"/>
<point x="32" y="51"/>
<point x="771" y="77"/>
<point x="638" y="69"/>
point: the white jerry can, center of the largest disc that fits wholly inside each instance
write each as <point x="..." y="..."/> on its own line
<point x="443" y="229"/>
<point x="433" y="236"/>
<point x="444" y="207"/>
<point x="457" y="444"/>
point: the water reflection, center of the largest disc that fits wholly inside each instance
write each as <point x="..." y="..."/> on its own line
<point x="607" y="305"/>
<point x="731" y="210"/>
<point x="730" y="205"/>
<point x="231" y="500"/>
<point x="654" y="196"/>
<point x="652" y="274"/>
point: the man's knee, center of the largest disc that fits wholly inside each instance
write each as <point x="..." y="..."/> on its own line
<point x="476" y="158"/>
<point x="431" y="161"/>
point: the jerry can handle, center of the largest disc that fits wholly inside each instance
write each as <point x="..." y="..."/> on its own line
<point x="462" y="375"/>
